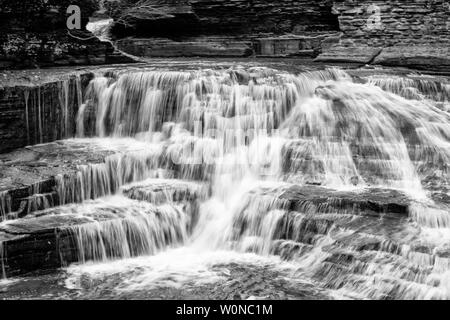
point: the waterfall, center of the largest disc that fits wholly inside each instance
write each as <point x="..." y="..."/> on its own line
<point x="346" y="177"/>
<point x="101" y="28"/>
<point x="269" y="126"/>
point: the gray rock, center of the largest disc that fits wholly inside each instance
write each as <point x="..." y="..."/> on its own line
<point x="351" y="54"/>
<point x="419" y="57"/>
<point x="195" y="47"/>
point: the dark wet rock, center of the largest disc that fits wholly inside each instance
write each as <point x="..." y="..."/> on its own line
<point x="290" y="250"/>
<point x="158" y="191"/>
<point x="39" y="111"/>
<point x="374" y="201"/>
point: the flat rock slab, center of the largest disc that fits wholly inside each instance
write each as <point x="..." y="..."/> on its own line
<point x="418" y="57"/>
<point x="196" y="47"/>
<point x="44" y="224"/>
<point x="166" y="190"/>
<point x="351" y="54"/>
<point x="28" y="166"/>
<point x="376" y="201"/>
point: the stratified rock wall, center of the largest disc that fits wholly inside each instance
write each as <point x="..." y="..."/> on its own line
<point x="234" y="17"/>
<point x="394" y="22"/>
<point x="393" y="32"/>
<point x="208" y="27"/>
<point x="32" y="114"/>
<point x="262" y="16"/>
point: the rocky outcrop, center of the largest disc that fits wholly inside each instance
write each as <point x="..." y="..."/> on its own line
<point x="237" y="17"/>
<point x="292" y="45"/>
<point x="190" y="47"/>
<point x="297" y="28"/>
<point x="371" y="201"/>
<point x="34" y="34"/>
<point x="339" y="53"/>
<point x="195" y="28"/>
<point x="435" y="58"/>
<point x="40" y="111"/>
<point x="412" y="34"/>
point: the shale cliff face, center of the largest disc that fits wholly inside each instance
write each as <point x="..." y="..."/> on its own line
<point x="393" y="32"/>
<point x="387" y="32"/>
<point x="234" y="17"/>
<point x="42" y="111"/>
<point x="34" y="34"/>
<point x="207" y="27"/>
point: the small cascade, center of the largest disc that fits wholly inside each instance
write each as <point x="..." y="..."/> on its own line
<point x="122" y="228"/>
<point x="64" y="102"/>
<point x="27" y="114"/>
<point x="38" y="200"/>
<point x="39" y="117"/>
<point x="81" y="107"/>
<point x="414" y="87"/>
<point x="101" y="28"/>
<point x="93" y="181"/>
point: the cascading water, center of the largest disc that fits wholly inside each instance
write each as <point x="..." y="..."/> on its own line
<point x="123" y="228"/>
<point x="5" y="204"/>
<point x="335" y="175"/>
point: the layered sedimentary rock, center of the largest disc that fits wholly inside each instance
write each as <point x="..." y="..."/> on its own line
<point x="389" y="32"/>
<point x="34" y="34"/>
<point x="40" y="111"/>
<point x="188" y="47"/>
<point x="194" y="28"/>
<point x="233" y="17"/>
<point x="410" y="33"/>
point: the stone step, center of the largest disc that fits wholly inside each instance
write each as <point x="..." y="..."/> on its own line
<point x="158" y="191"/>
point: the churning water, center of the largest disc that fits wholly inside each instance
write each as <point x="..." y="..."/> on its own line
<point x="266" y="170"/>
